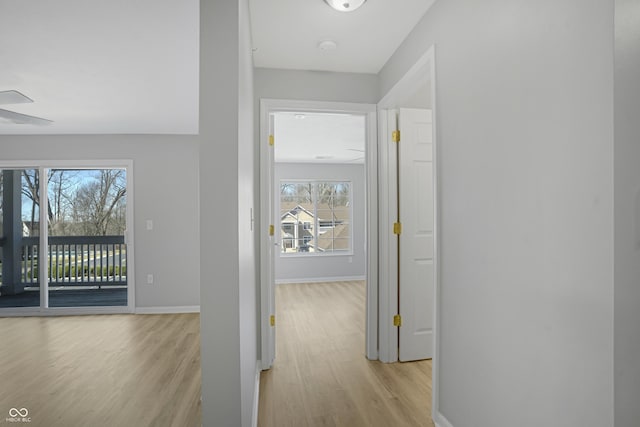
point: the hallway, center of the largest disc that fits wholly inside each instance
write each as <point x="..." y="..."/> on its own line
<point x="321" y="376"/>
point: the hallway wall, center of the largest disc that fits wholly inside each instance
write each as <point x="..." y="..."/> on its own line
<point x="228" y="288"/>
<point x="525" y="132"/>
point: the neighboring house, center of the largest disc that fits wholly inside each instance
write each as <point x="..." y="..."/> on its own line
<point x="30" y="228"/>
<point x="298" y="226"/>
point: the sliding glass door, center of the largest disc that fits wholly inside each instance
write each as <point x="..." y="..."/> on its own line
<point x="73" y="255"/>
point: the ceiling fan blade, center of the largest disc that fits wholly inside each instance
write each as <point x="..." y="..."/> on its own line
<point x="21" y="119"/>
<point x="13" y="97"/>
<point x="356" y="160"/>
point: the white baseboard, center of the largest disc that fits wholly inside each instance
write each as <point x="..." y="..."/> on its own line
<point x="256" y="395"/>
<point x="168" y="310"/>
<point x="320" y="279"/>
<point x="440" y="420"/>
<point x="62" y="311"/>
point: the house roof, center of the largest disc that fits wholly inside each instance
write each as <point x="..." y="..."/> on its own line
<point x="340" y="239"/>
<point x="293" y="210"/>
<point x="325" y="212"/>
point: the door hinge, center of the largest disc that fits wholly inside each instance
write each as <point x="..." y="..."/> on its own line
<point x="271" y="140"/>
<point x="395" y="136"/>
<point x="272" y="320"/>
<point x="397" y="228"/>
<point x="272" y="230"/>
<point x="397" y="320"/>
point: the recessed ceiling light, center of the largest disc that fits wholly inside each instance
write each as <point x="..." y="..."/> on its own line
<point x="345" y="5"/>
<point x="324" y="157"/>
<point x="299" y="116"/>
<point x="327" y="45"/>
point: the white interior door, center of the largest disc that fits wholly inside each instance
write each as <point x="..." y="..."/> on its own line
<point x="416" y="291"/>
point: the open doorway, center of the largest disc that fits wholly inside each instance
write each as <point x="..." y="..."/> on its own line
<point x="319" y="218"/>
<point x="318" y="210"/>
<point x="320" y="259"/>
<point x="319" y="174"/>
<point x="335" y="377"/>
<point x="414" y="93"/>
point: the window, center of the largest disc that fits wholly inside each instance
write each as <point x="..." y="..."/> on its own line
<point x="315" y="217"/>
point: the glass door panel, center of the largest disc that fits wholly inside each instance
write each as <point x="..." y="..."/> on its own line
<point x="87" y="254"/>
<point x="19" y="238"/>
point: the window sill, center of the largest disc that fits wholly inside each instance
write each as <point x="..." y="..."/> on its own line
<point x="315" y="254"/>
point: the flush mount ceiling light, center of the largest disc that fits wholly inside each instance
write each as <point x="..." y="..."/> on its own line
<point x="345" y="5"/>
<point x="327" y="45"/>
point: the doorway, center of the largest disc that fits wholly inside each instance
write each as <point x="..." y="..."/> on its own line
<point x="417" y="89"/>
<point x="307" y="205"/>
<point x="65" y="246"/>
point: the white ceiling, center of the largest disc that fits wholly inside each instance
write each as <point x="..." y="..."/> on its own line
<point x="95" y="66"/>
<point x="319" y="138"/>
<point x="286" y="33"/>
<point x="123" y="66"/>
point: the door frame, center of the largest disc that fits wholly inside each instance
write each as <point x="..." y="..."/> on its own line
<point x="267" y="107"/>
<point x="42" y="165"/>
<point x="423" y="71"/>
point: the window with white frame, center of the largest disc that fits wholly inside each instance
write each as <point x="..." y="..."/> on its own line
<point x="315" y="217"/>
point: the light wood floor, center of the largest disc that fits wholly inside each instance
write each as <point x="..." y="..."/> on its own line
<point x="321" y="376"/>
<point x="107" y="370"/>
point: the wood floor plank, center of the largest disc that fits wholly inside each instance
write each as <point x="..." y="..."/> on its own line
<point x="124" y="370"/>
<point x="321" y="376"/>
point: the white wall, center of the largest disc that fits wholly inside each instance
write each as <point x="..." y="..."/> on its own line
<point x="524" y="118"/>
<point x="302" y="268"/>
<point x="228" y="289"/>
<point x="627" y="213"/>
<point x="166" y="190"/>
<point x="315" y="86"/>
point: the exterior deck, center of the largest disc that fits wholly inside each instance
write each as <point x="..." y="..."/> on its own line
<point x="69" y="297"/>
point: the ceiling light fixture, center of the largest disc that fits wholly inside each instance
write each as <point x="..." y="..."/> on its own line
<point x="327" y="45"/>
<point x="345" y="5"/>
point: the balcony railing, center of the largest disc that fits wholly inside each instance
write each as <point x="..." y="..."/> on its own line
<point x="77" y="261"/>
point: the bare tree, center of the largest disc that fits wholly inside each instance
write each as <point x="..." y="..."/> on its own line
<point x="98" y="204"/>
<point x="61" y="185"/>
<point x="299" y="192"/>
<point x="31" y="189"/>
<point x="79" y="202"/>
